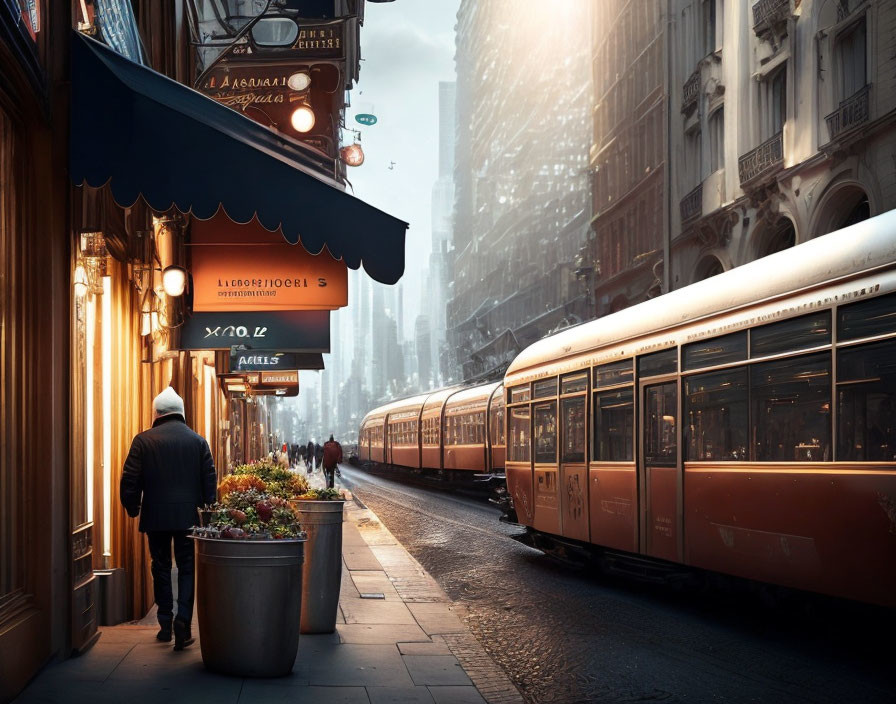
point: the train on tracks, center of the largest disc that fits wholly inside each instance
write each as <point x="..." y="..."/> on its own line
<point x="742" y="425"/>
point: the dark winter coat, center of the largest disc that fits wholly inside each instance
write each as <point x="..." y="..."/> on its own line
<point x="168" y="473"/>
<point x="332" y="454"/>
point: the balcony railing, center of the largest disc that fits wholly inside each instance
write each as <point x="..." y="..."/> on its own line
<point x="851" y="112"/>
<point x="761" y="160"/>
<point x="769" y="13"/>
<point x="690" y="91"/>
<point x="692" y="204"/>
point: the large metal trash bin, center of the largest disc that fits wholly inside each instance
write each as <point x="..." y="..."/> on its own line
<point x="248" y="596"/>
<point x="322" y="571"/>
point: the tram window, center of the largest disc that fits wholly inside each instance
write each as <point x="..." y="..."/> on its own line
<point x="614" y="420"/>
<point x="657" y="363"/>
<point x="519" y="434"/>
<point x="573" y="446"/>
<point x="660" y="431"/>
<point x="866" y="318"/>
<point x="546" y="433"/>
<point x="718" y="350"/>
<point x="791" y="409"/>
<point x="519" y="393"/>
<point x="497" y="425"/>
<point x="866" y="403"/>
<point x="545" y="388"/>
<point x="614" y="373"/>
<point x="574" y="383"/>
<point x="716" y="412"/>
<point x="791" y="335"/>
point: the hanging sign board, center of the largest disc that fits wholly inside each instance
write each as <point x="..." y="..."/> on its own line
<point x="246" y="268"/>
<point x="251" y="360"/>
<point x="289" y="331"/>
<point x="366" y="118"/>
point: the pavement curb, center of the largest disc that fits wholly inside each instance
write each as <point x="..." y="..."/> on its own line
<point x="428" y="601"/>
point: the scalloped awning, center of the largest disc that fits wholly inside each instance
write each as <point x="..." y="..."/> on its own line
<point x="146" y="135"/>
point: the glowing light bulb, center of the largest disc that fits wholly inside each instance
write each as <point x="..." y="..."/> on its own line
<point x="302" y="119"/>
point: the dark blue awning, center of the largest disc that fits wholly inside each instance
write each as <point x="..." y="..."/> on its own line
<point x="146" y="135"/>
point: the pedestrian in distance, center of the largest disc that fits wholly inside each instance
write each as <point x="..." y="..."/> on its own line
<point x="318" y="455"/>
<point x="309" y="456"/>
<point x="169" y="473"/>
<point x="331" y="458"/>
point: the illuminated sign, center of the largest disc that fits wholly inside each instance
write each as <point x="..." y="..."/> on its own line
<point x="291" y="331"/>
<point x="246" y="268"/>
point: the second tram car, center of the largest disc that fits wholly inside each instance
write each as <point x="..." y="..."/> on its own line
<point x="455" y="433"/>
<point x="744" y="424"/>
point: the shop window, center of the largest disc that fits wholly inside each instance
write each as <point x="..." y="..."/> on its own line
<point x="866" y="403"/>
<point x="716" y="412"/>
<point x="791" y="409"/>
<point x="614" y="421"/>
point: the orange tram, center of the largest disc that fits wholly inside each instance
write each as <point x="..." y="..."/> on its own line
<point x="743" y="425"/>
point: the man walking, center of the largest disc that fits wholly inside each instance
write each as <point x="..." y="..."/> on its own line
<point x="332" y="457"/>
<point x="168" y="473"/>
<point x="309" y="457"/>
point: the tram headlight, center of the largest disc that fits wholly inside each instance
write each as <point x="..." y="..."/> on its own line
<point x="302" y="119"/>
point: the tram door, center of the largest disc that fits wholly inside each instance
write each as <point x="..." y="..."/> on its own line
<point x="659" y="475"/>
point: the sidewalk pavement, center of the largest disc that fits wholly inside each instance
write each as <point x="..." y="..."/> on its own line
<point x="403" y="642"/>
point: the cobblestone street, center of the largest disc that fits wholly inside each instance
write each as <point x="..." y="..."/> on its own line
<point x="572" y="636"/>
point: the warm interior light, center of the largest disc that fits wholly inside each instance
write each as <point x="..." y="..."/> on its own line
<point x="236" y="387"/>
<point x="107" y="418"/>
<point x="90" y="404"/>
<point x="145" y="324"/>
<point x="352" y="155"/>
<point x="174" y="280"/>
<point x="80" y="281"/>
<point x="302" y="119"/>
<point x="299" y="81"/>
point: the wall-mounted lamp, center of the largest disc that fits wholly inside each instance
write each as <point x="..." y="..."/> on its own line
<point x="302" y="119"/>
<point x="174" y="280"/>
<point x="93" y="258"/>
<point x="352" y="154"/>
<point x="79" y="281"/>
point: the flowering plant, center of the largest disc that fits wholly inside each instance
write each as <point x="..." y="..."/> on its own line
<point x="254" y="504"/>
<point x="322" y="495"/>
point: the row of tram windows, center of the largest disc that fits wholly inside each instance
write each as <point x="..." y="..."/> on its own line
<point x="403" y="432"/>
<point x="373" y="436"/>
<point x="773" y="393"/>
<point x="465" y="429"/>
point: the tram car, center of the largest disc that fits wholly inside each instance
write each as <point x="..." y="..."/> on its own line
<point x="454" y="434"/>
<point x="743" y="425"/>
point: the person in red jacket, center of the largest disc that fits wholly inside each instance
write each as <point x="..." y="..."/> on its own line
<point x="332" y="457"/>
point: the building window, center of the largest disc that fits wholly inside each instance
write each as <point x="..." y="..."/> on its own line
<point x="694" y="158"/>
<point x="773" y="100"/>
<point x="708" y="17"/>
<point x="717" y="140"/>
<point x="851" y="59"/>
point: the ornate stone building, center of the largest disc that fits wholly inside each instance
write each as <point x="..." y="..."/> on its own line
<point x="781" y="127"/>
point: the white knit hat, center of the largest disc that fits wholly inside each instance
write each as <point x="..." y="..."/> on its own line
<point x="167" y="403"/>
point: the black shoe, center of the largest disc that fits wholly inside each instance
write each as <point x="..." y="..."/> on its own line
<point x="164" y="633"/>
<point x="182" y="635"/>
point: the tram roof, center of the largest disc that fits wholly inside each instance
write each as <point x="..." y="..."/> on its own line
<point x="861" y="247"/>
<point x="475" y="395"/>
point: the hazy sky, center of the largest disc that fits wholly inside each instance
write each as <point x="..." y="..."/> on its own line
<point x="407" y="47"/>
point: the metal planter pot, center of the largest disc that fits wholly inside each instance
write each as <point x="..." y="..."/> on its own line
<point x="322" y="571"/>
<point x="248" y="597"/>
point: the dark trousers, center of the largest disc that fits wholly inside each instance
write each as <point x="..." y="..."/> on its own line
<point x="330" y="474"/>
<point x="160" y="552"/>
